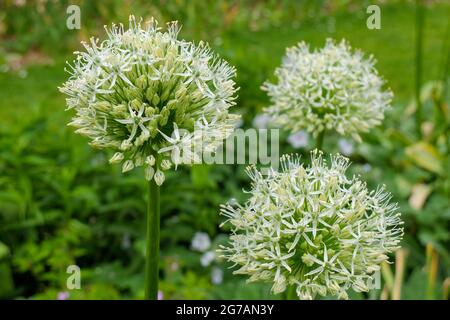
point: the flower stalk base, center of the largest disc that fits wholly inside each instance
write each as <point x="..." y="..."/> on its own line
<point x="152" y="242"/>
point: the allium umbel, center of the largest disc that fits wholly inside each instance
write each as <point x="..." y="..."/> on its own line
<point x="313" y="228"/>
<point x="328" y="89"/>
<point x="151" y="97"/>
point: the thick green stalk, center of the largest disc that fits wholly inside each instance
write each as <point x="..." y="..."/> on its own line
<point x="152" y="243"/>
<point x="319" y="141"/>
<point x="400" y="262"/>
<point x="432" y="268"/>
<point x="291" y="294"/>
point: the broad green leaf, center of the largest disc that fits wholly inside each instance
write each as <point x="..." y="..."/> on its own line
<point x="425" y="156"/>
<point x="4" y="250"/>
<point x="419" y="195"/>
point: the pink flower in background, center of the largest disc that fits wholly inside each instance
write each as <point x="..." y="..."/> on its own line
<point x="160" y="295"/>
<point x="174" y="266"/>
<point x="19" y="3"/>
<point x="298" y="139"/>
<point x="261" y="121"/>
<point x="63" y="295"/>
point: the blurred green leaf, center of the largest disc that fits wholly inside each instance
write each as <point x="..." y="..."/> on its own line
<point x="426" y="156"/>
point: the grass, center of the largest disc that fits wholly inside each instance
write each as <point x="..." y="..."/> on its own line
<point x="257" y="54"/>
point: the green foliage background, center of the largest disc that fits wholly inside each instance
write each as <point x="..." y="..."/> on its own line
<point x="61" y="203"/>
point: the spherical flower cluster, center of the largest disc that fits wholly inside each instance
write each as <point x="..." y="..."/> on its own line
<point x="312" y="228"/>
<point x="328" y="89"/>
<point x="156" y="100"/>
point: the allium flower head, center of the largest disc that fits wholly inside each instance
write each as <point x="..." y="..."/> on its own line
<point x="151" y="97"/>
<point x="313" y="228"/>
<point x="332" y="88"/>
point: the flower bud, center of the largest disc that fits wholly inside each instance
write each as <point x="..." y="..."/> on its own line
<point x="116" y="158"/>
<point x="127" y="166"/>
<point x="159" y="177"/>
<point x="149" y="171"/>
<point x="150" y="160"/>
<point x="126" y="144"/>
<point x="141" y="81"/>
<point x="102" y="106"/>
<point x="135" y="104"/>
<point x="155" y="99"/>
<point x="166" y="164"/>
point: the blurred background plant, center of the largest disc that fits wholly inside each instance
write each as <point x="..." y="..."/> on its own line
<point x="62" y="204"/>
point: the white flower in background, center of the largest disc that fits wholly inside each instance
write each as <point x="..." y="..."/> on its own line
<point x="366" y="167"/>
<point x="328" y="89"/>
<point x="261" y="121"/>
<point x="126" y="241"/>
<point x="216" y="275"/>
<point x="345" y="147"/>
<point x="207" y="258"/>
<point x="298" y="139"/>
<point x="146" y="94"/>
<point x="239" y="123"/>
<point x="313" y="228"/>
<point x="201" y="242"/>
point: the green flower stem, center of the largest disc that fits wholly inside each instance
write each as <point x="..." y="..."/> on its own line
<point x="152" y="243"/>
<point x="419" y="49"/>
<point x="319" y="141"/>
<point x="432" y="267"/>
<point x="291" y="294"/>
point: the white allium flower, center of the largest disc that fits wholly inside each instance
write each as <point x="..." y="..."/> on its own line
<point x="313" y="228"/>
<point x="151" y="97"/>
<point x="328" y="89"/>
<point x="201" y="242"/>
<point x="298" y="139"/>
<point x="345" y="147"/>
